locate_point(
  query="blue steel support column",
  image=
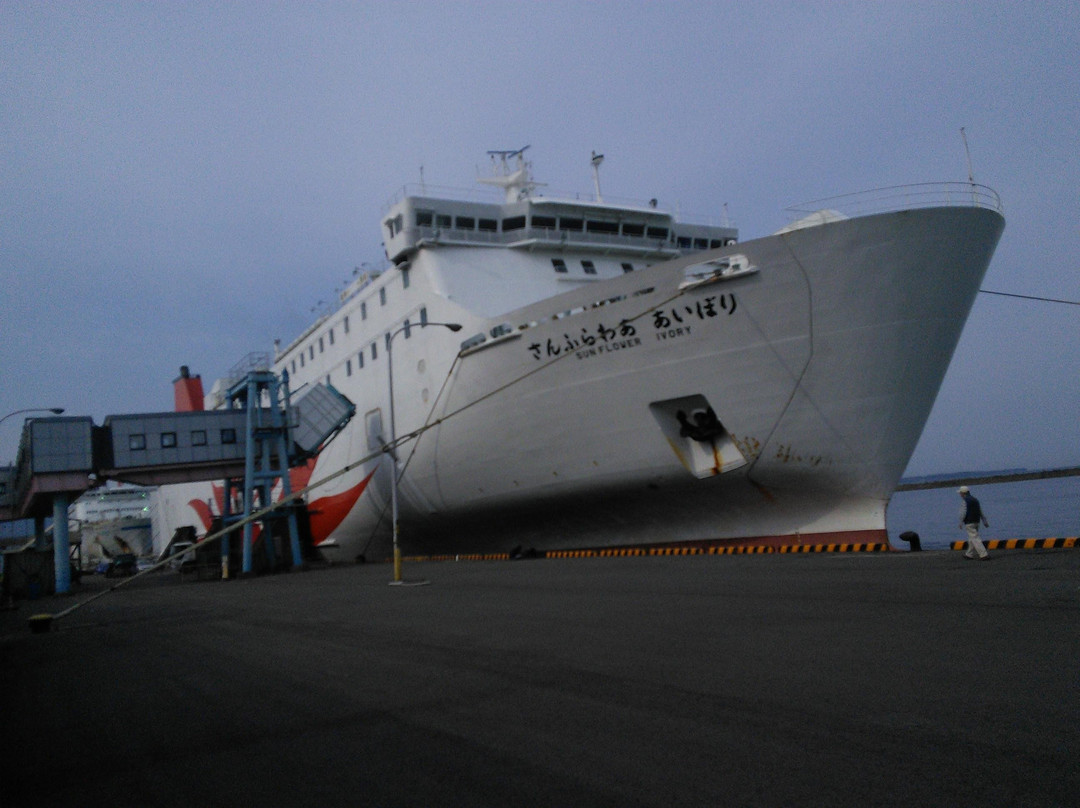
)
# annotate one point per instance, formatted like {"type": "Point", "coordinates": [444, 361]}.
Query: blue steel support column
{"type": "Point", "coordinates": [280, 418]}
{"type": "Point", "coordinates": [249, 468]}
{"type": "Point", "coordinates": [61, 547]}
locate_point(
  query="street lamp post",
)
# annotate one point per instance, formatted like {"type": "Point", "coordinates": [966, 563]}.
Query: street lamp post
{"type": "Point", "coordinates": [393, 436]}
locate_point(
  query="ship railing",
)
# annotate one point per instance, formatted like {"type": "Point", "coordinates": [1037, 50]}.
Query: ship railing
{"type": "Point", "coordinates": [544, 235]}
{"type": "Point", "coordinates": [903, 197]}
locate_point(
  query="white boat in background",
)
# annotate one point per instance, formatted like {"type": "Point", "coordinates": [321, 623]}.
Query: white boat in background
{"type": "Point", "coordinates": [624, 378]}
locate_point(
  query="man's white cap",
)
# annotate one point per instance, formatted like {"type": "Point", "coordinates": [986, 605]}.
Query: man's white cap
{"type": "Point", "coordinates": [963, 489]}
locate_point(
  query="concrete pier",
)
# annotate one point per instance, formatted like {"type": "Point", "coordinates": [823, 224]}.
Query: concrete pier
{"type": "Point", "coordinates": [829, 679]}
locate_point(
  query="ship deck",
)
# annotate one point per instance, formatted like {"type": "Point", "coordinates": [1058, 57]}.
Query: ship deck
{"type": "Point", "coordinates": [839, 679]}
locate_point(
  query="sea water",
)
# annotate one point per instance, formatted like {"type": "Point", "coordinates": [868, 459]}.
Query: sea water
{"type": "Point", "coordinates": [1034, 509]}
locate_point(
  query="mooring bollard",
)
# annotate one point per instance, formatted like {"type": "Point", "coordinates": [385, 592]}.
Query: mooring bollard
{"type": "Point", "coordinates": [911, 538]}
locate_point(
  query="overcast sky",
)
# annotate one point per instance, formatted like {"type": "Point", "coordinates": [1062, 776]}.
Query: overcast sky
{"type": "Point", "coordinates": [181, 182]}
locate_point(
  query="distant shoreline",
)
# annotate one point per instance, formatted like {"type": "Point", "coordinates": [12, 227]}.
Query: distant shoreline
{"type": "Point", "coordinates": [982, 478]}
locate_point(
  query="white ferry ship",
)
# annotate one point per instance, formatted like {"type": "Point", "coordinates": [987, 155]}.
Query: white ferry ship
{"type": "Point", "coordinates": [623, 378]}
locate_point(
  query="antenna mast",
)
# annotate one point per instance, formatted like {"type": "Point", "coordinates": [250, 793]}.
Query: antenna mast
{"type": "Point", "coordinates": [597, 159]}
{"type": "Point", "coordinates": [963, 137]}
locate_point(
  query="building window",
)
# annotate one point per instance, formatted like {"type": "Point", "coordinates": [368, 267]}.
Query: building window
{"type": "Point", "coordinates": [374, 351]}
{"type": "Point", "coordinates": [348, 367]}
{"type": "Point", "coordinates": [559, 264]}
{"type": "Point", "coordinates": [627, 267]}
{"type": "Point", "coordinates": [331, 335]}
{"type": "Point", "coordinates": [363, 310]}
{"type": "Point", "coordinates": [311, 352]}
{"type": "Point", "coordinates": [589, 267]}
{"type": "Point", "coordinates": [228, 436]}
{"type": "Point", "coordinates": [404, 279]}
{"type": "Point", "coordinates": [294, 367]}
{"type": "Point", "coordinates": [382, 296]}
{"type": "Point", "coordinates": [359, 360]}
{"type": "Point", "coordinates": [407, 328]}
{"type": "Point", "coordinates": [137, 442]}
{"type": "Point", "coordinates": [198, 437]}
{"type": "Point", "coordinates": [346, 323]}
{"type": "Point", "coordinates": [327, 379]}
{"type": "Point", "coordinates": [168, 440]}
{"type": "Point", "coordinates": [320, 345]}
{"type": "Point", "coordinates": [301, 360]}
{"type": "Point", "coordinates": [423, 315]}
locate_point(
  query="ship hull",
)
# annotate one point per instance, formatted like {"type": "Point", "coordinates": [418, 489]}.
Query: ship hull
{"type": "Point", "coordinates": [820, 366]}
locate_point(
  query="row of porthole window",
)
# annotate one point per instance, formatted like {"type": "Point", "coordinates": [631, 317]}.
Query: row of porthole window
{"type": "Point", "coordinates": [588, 267]}
{"type": "Point", "coordinates": [137, 440]}
{"type": "Point", "coordinates": [374, 347]}
{"type": "Point", "coordinates": [345, 324]}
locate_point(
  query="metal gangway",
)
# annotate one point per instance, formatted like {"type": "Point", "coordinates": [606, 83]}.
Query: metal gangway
{"type": "Point", "coordinates": [249, 444]}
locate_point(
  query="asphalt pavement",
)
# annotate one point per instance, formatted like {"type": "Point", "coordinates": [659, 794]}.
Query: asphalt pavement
{"type": "Point", "coordinates": [830, 679]}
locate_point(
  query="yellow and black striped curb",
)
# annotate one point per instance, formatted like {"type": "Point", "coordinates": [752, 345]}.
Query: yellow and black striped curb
{"type": "Point", "coordinates": [615, 552]}
{"type": "Point", "coordinates": [760, 549]}
{"type": "Point", "coordinates": [1021, 544]}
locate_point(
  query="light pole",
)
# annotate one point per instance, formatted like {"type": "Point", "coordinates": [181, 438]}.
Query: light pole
{"type": "Point", "coordinates": [393, 434]}
{"type": "Point", "coordinates": [53, 410]}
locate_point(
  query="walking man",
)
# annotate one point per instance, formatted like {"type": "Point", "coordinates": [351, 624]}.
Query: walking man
{"type": "Point", "coordinates": [970, 516]}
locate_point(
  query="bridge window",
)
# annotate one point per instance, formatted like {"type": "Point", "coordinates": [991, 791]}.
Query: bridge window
{"type": "Point", "coordinates": [570, 223]}
{"type": "Point", "coordinates": [228, 436]}
{"type": "Point", "coordinates": [442, 220]}
{"type": "Point", "coordinates": [701, 244]}
{"type": "Point", "coordinates": [168, 440]}
{"type": "Point", "coordinates": [544, 222]}
{"type": "Point", "coordinates": [198, 437]}
{"type": "Point", "coordinates": [684, 242]}
{"type": "Point", "coordinates": [487, 225]}
{"type": "Point", "coordinates": [513, 223]}
{"type": "Point", "coordinates": [657, 232]}
{"type": "Point", "coordinates": [635, 229]}
{"type": "Point", "coordinates": [424, 218]}
{"type": "Point", "coordinates": [137, 442]}
{"type": "Point", "coordinates": [601, 227]}
{"type": "Point", "coordinates": [465, 223]}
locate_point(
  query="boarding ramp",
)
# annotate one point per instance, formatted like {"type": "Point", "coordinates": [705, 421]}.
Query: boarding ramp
{"type": "Point", "coordinates": [61, 457]}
